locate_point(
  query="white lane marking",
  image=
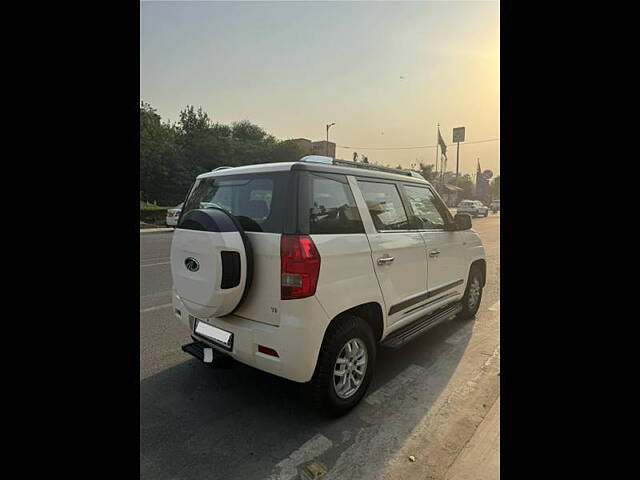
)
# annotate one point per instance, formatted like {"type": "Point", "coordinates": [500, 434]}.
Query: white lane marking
{"type": "Point", "coordinates": [157, 307]}
{"type": "Point", "coordinates": [308, 451]}
{"type": "Point", "coordinates": [153, 259]}
{"type": "Point", "coordinates": [407, 376]}
{"type": "Point", "coordinates": [495, 307]}
{"type": "Point", "coordinates": [154, 264]}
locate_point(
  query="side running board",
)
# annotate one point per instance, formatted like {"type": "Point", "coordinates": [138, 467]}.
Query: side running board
{"type": "Point", "coordinates": [418, 327]}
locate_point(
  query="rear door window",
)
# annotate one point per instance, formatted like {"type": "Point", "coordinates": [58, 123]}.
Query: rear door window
{"type": "Point", "coordinates": [333, 209]}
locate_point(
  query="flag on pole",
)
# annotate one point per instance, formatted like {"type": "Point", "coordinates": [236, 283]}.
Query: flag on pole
{"type": "Point", "coordinates": [443, 146]}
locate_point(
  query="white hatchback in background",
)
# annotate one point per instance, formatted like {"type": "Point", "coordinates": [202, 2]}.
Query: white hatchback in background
{"type": "Point", "coordinates": [303, 269]}
{"type": "Point", "coordinates": [475, 208]}
{"type": "Point", "coordinates": [172, 215]}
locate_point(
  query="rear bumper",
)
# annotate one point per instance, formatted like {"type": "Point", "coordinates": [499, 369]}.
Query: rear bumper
{"type": "Point", "coordinates": [297, 339]}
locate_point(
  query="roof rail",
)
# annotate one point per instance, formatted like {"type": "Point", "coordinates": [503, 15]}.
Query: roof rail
{"type": "Point", "coordinates": [366, 166]}
{"type": "Point", "coordinates": [220, 168]}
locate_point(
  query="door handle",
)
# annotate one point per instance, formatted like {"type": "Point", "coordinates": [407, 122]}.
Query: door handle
{"type": "Point", "coordinates": [434, 253]}
{"type": "Point", "coordinates": [385, 260]}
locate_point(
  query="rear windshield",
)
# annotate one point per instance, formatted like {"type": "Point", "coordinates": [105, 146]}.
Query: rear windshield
{"type": "Point", "coordinates": [255, 199]}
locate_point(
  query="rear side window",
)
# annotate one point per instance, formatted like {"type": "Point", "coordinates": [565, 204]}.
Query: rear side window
{"type": "Point", "coordinates": [255, 199]}
{"type": "Point", "coordinates": [333, 209]}
{"type": "Point", "coordinates": [385, 206]}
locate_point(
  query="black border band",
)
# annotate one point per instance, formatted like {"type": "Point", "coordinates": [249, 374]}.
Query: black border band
{"type": "Point", "coordinates": [424, 296]}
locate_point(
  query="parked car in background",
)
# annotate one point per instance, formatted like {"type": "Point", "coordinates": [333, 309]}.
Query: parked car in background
{"type": "Point", "coordinates": [475, 208]}
{"type": "Point", "coordinates": [311, 266]}
{"type": "Point", "coordinates": [495, 206]}
{"type": "Point", "coordinates": [172, 215]}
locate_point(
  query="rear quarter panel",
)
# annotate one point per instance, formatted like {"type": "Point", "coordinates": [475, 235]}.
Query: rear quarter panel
{"type": "Point", "coordinates": [262, 302]}
{"type": "Point", "coordinates": [347, 277]}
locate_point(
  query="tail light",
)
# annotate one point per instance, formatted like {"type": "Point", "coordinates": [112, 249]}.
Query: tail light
{"type": "Point", "coordinates": [299, 267]}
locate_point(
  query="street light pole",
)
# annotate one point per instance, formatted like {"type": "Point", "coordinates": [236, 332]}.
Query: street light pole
{"type": "Point", "coordinates": [329, 125]}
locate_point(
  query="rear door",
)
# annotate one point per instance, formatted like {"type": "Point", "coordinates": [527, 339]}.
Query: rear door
{"type": "Point", "coordinates": [398, 254]}
{"type": "Point", "coordinates": [446, 262]}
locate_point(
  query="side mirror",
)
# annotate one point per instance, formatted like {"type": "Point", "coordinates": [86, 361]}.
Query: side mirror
{"type": "Point", "coordinates": [463, 221]}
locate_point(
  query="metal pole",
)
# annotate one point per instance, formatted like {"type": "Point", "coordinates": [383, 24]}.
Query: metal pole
{"type": "Point", "coordinates": [328, 125]}
{"type": "Point", "coordinates": [457, 162]}
{"type": "Point", "coordinates": [436, 162]}
{"type": "Point", "coordinates": [327, 140]}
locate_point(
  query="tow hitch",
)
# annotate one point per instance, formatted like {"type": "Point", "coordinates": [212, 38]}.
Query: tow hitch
{"type": "Point", "coordinates": [206, 354]}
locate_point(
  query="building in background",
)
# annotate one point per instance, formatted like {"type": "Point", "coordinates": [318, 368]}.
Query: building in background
{"type": "Point", "coordinates": [450, 194]}
{"type": "Point", "coordinates": [323, 147]}
{"type": "Point", "coordinates": [316, 148]}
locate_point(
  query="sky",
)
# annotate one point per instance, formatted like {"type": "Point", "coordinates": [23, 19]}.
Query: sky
{"type": "Point", "coordinates": [293, 67]}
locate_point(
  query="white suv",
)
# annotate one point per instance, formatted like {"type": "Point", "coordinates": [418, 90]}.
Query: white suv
{"type": "Point", "coordinates": [303, 269]}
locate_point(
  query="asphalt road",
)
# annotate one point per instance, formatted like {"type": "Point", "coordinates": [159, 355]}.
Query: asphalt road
{"type": "Point", "coordinates": [198, 422]}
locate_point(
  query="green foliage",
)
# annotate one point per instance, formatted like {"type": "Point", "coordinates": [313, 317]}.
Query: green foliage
{"type": "Point", "coordinates": [153, 215]}
{"type": "Point", "coordinates": [171, 156]}
{"type": "Point", "coordinates": [465, 182]}
{"type": "Point", "coordinates": [495, 187]}
{"type": "Point", "coordinates": [427, 172]}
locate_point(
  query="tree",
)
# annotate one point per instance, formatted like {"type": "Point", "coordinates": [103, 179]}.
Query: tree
{"type": "Point", "coordinates": [171, 156]}
{"type": "Point", "coordinates": [247, 131]}
{"type": "Point", "coordinates": [157, 154]}
{"type": "Point", "coordinates": [427, 172]}
{"type": "Point", "coordinates": [465, 182]}
{"type": "Point", "coordinates": [495, 188]}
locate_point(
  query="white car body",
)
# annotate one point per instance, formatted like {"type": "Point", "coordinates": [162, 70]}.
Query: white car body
{"type": "Point", "coordinates": [350, 279]}
{"type": "Point", "coordinates": [475, 208]}
{"type": "Point", "coordinates": [172, 216]}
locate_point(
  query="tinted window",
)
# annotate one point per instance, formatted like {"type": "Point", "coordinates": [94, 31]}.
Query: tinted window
{"type": "Point", "coordinates": [251, 198]}
{"type": "Point", "coordinates": [422, 203]}
{"type": "Point", "coordinates": [385, 206]}
{"type": "Point", "coordinates": [333, 208]}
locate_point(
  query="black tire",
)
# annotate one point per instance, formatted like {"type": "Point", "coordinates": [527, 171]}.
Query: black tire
{"type": "Point", "coordinates": [469, 309]}
{"type": "Point", "coordinates": [321, 387]}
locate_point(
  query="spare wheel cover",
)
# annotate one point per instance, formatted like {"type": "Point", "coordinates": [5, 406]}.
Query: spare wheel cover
{"type": "Point", "coordinates": [211, 262]}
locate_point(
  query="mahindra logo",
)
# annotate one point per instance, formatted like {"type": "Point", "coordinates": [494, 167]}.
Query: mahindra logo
{"type": "Point", "coordinates": [192, 264]}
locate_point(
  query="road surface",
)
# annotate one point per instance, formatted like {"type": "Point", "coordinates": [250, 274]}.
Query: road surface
{"type": "Point", "coordinates": [426, 399]}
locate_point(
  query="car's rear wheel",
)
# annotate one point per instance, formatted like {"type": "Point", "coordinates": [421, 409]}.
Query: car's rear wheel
{"type": "Point", "coordinates": [345, 366]}
{"type": "Point", "coordinates": [472, 295]}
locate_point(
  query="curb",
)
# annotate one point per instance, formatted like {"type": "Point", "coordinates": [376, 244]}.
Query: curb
{"type": "Point", "coordinates": [156, 230]}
